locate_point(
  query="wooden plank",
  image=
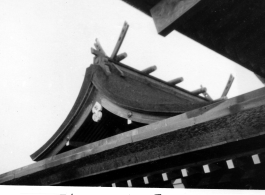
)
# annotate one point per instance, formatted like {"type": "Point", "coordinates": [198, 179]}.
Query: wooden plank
{"type": "Point", "coordinates": [166, 12]}
{"type": "Point", "coordinates": [228, 86]}
{"type": "Point", "coordinates": [120, 40]}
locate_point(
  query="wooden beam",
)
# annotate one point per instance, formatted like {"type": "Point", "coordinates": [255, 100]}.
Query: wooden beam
{"type": "Point", "coordinates": [228, 86]}
{"type": "Point", "coordinates": [206, 95]}
{"type": "Point", "coordinates": [256, 159]}
{"type": "Point", "coordinates": [75, 144]}
{"type": "Point", "coordinates": [120, 40]}
{"type": "Point", "coordinates": [128, 114]}
{"type": "Point", "coordinates": [149, 70]}
{"type": "Point", "coordinates": [166, 12]}
{"type": "Point", "coordinates": [199, 91]}
{"type": "Point", "coordinates": [153, 178]}
{"type": "Point", "coordinates": [175, 81]}
{"type": "Point", "coordinates": [121, 57]}
{"type": "Point", "coordinates": [173, 177]}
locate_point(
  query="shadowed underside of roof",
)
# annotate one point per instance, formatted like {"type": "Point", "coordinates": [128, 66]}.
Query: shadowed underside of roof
{"type": "Point", "coordinates": [234, 29]}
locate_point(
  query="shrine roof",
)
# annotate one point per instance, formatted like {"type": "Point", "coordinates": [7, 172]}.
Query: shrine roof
{"type": "Point", "coordinates": [135, 96]}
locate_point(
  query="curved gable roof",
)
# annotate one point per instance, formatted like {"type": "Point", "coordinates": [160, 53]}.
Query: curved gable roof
{"type": "Point", "coordinates": [149, 98]}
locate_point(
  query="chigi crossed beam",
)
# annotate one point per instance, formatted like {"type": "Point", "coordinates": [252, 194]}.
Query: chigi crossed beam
{"type": "Point", "coordinates": [101, 57]}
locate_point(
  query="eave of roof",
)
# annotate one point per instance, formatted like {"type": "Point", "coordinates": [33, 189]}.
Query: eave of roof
{"type": "Point", "coordinates": [240, 118]}
{"type": "Point", "coordinates": [231, 28]}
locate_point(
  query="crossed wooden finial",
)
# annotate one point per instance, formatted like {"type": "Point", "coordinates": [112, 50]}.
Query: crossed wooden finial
{"type": "Point", "coordinates": [101, 57]}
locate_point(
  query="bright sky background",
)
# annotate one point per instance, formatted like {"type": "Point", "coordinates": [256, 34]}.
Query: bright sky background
{"type": "Point", "coordinates": [45, 49]}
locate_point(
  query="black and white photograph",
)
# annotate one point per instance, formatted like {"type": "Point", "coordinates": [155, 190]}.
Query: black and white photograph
{"type": "Point", "coordinates": [132, 97]}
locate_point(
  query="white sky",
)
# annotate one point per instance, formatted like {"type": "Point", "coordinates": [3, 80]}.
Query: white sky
{"type": "Point", "coordinates": [45, 49]}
